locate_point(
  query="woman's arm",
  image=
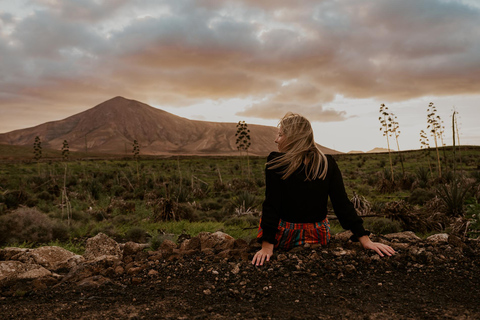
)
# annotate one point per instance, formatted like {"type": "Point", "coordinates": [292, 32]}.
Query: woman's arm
{"type": "Point", "coordinates": [378, 247]}
{"type": "Point", "coordinates": [264, 254]}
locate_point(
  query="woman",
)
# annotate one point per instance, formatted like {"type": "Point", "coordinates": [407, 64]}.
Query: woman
{"type": "Point", "coordinates": [299, 180]}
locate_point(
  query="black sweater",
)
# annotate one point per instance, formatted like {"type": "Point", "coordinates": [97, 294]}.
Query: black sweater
{"type": "Point", "coordinates": [297, 200]}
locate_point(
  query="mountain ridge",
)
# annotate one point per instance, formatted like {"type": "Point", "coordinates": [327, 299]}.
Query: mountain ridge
{"type": "Point", "coordinates": [111, 126]}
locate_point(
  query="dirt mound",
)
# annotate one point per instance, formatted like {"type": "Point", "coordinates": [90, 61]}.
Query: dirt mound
{"type": "Point", "coordinates": [426, 279]}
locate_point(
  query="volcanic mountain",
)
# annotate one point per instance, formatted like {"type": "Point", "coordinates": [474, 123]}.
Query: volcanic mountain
{"type": "Point", "coordinates": [112, 126]}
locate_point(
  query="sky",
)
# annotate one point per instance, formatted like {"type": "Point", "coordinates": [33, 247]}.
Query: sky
{"type": "Point", "coordinates": [335, 62]}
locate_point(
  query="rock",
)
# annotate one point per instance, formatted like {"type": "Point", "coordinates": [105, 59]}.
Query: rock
{"type": "Point", "coordinates": [152, 272]}
{"type": "Point", "coordinates": [406, 236]}
{"type": "Point", "coordinates": [51, 257]}
{"type": "Point", "coordinates": [8, 253]}
{"type": "Point", "coordinates": [343, 236]}
{"type": "Point", "coordinates": [399, 246]}
{"type": "Point", "coordinates": [168, 246]}
{"type": "Point", "coordinates": [16, 270]}
{"type": "Point", "coordinates": [88, 269]}
{"type": "Point", "coordinates": [350, 268]}
{"type": "Point", "coordinates": [102, 245]}
{"type": "Point", "coordinates": [456, 242]}
{"type": "Point", "coordinates": [218, 241]}
{"type": "Point", "coordinates": [119, 270]}
{"type": "Point", "coordinates": [281, 257]}
{"type": "Point", "coordinates": [132, 248]}
{"type": "Point", "coordinates": [190, 244]}
{"type": "Point", "coordinates": [240, 244]}
{"type": "Point", "coordinates": [438, 238]}
{"type": "Point", "coordinates": [94, 282]}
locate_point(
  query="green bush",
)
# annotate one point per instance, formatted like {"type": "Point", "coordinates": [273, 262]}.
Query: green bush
{"type": "Point", "coordinates": [29, 225]}
{"type": "Point", "coordinates": [382, 225]}
{"type": "Point", "coordinates": [136, 234]}
{"type": "Point", "coordinates": [453, 196]}
{"type": "Point", "coordinates": [420, 196]}
{"type": "Point", "coordinates": [13, 199]}
{"type": "Point", "coordinates": [245, 221]}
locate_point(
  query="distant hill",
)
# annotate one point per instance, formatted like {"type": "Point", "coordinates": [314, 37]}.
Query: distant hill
{"type": "Point", "coordinates": [111, 127]}
{"type": "Point", "coordinates": [379, 150]}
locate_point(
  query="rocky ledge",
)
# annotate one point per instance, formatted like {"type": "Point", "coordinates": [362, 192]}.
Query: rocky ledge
{"type": "Point", "coordinates": [213, 266]}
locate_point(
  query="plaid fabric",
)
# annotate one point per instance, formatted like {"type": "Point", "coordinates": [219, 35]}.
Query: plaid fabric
{"type": "Point", "coordinates": [291, 235]}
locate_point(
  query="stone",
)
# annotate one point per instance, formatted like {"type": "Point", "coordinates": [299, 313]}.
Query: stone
{"type": "Point", "coordinates": [350, 268]}
{"type": "Point", "coordinates": [168, 246]}
{"type": "Point", "coordinates": [217, 240]}
{"type": "Point", "coordinates": [456, 242]}
{"type": "Point", "coordinates": [102, 245]}
{"type": "Point", "coordinates": [399, 246]}
{"type": "Point", "coordinates": [52, 258]}
{"type": "Point", "coordinates": [9, 252]}
{"type": "Point", "coordinates": [93, 282]}
{"type": "Point", "coordinates": [190, 244]}
{"type": "Point", "coordinates": [438, 238]}
{"type": "Point", "coordinates": [406, 236]}
{"type": "Point", "coordinates": [16, 270]}
{"type": "Point", "coordinates": [152, 272]}
{"type": "Point", "coordinates": [132, 248]}
{"type": "Point", "coordinates": [343, 236]}
{"type": "Point", "coordinates": [240, 244]}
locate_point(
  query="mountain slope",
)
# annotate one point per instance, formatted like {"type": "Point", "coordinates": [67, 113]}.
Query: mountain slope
{"type": "Point", "coordinates": [111, 127]}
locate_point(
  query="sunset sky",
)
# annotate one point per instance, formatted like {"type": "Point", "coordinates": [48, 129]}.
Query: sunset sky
{"type": "Point", "coordinates": [333, 61]}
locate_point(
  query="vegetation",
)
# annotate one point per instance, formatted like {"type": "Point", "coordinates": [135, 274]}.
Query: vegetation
{"type": "Point", "coordinates": [243, 140]}
{"type": "Point", "coordinates": [68, 201]}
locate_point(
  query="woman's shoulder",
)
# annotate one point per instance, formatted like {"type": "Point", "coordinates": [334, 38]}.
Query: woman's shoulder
{"type": "Point", "coordinates": [274, 155]}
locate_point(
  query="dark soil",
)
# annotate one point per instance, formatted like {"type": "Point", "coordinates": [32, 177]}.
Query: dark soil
{"type": "Point", "coordinates": [339, 282]}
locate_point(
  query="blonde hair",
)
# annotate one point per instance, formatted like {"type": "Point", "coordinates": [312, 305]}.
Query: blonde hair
{"type": "Point", "coordinates": [300, 148]}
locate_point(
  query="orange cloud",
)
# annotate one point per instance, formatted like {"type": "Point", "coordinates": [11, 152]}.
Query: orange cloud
{"type": "Point", "coordinates": [283, 55]}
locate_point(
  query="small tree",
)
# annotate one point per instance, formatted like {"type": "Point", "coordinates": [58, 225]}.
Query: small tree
{"type": "Point", "coordinates": [386, 128]}
{"type": "Point", "coordinates": [434, 125]}
{"type": "Point", "coordinates": [243, 140]}
{"type": "Point", "coordinates": [65, 150]}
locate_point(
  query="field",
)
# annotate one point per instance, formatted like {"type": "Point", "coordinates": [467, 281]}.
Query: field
{"type": "Point", "coordinates": [149, 199]}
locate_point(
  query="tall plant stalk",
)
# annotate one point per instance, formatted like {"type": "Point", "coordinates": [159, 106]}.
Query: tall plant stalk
{"type": "Point", "coordinates": [434, 126]}
{"type": "Point", "coordinates": [386, 128]}
{"type": "Point", "coordinates": [243, 141]}
{"type": "Point", "coordinates": [424, 144]}
{"type": "Point", "coordinates": [396, 133]}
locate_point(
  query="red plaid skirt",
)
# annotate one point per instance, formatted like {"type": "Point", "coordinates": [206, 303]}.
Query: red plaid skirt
{"type": "Point", "coordinates": [291, 234]}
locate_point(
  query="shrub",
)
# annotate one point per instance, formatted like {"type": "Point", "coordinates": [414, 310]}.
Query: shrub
{"type": "Point", "coordinates": [243, 221]}
{"type": "Point", "coordinates": [382, 225]}
{"type": "Point", "coordinates": [244, 202]}
{"type": "Point", "coordinates": [28, 225]}
{"type": "Point", "coordinates": [13, 199]}
{"type": "Point", "coordinates": [423, 175]}
{"type": "Point", "coordinates": [44, 195]}
{"type": "Point", "coordinates": [420, 196]}
{"type": "Point", "coordinates": [453, 196]}
{"type": "Point", "coordinates": [136, 234]}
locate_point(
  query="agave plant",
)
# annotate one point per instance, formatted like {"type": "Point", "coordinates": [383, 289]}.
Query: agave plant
{"type": "Point", "coordinates": [453, 196]}
{"type": "Point", "coordinates": [244, 203]}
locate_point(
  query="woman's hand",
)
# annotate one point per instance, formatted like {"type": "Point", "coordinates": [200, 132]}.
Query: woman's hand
{"type": "Point", "coordinates": [378, 247]}
{"type": "Point", "coordinates": [264, 254]}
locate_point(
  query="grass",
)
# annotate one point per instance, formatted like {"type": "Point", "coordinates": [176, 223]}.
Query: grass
{"type": "Point", "coordinates": [106, 194]}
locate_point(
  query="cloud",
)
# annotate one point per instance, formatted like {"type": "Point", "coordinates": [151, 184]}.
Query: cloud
{"type": "Point", "coordinates": [178, 53]}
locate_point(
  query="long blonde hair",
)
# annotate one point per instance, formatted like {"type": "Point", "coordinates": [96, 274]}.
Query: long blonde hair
{"type": "Point", "coordinates": [300, 148]}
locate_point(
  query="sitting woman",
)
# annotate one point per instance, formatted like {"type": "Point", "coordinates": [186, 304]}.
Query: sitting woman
{"type": "Point", "coordinates": [299, 180]}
